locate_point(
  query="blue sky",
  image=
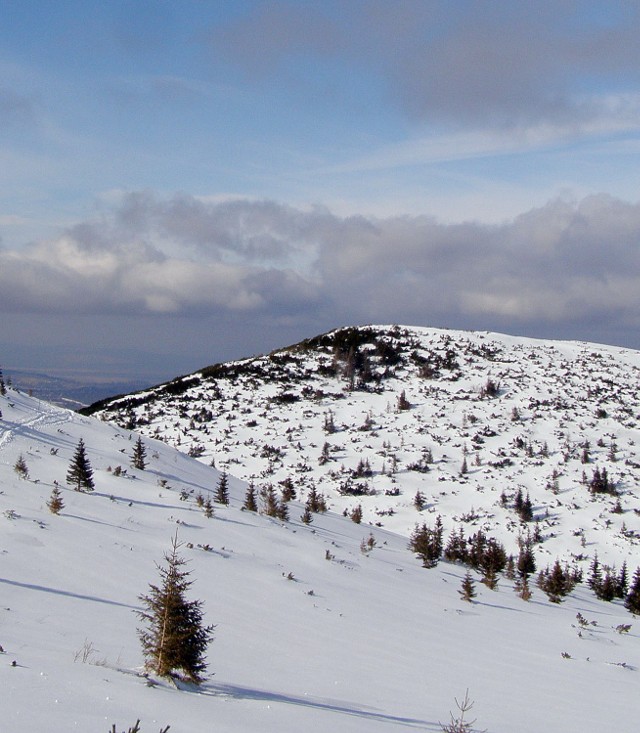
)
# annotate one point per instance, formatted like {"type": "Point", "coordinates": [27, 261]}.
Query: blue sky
{"type": "Point", "coordinates": [186, 182]}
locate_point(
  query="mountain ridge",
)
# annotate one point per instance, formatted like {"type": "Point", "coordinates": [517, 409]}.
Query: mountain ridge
{"type": "Point", "coordinates": [372, 415]}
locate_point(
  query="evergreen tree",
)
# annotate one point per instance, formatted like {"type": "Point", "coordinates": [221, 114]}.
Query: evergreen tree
{"type": "Point", "coordinates": [556, 583]}
{"type": "Point", "coordinates": [80, 473]}
{"type": "Point", "coordinates": [632, 600]}
{"type": "Point", "coordinates": [20, 467]}
{"type": "Point", "coordinates": [526, 561]}
{"type": "Point", "coordinates": [175, 640]}
{"type": "Point", "coordinates": [250, 501]}
{"type": "Point", "coordinates": [282, 511]}
{"type": "Point", "coordinates": [315, 501]}
{"type": "Point", "coordinates": [468, 591]}
{"type": "Point", "coordinates": [55, 502]}
{"type": "Point", "coordinates": [307, 516]}
{"type": "Point", "coordinates": [3, 389]}
{"type": "Point", "coordinates": [207, 507]}
{"type": "Point", "coordinates": [522, 588]}
{"type": "Point", "coordinates": [288, 490]}
{"type": "Point", "coordinates": [427, 543]}
{"type": "Point", "coordinates": [606, 589]}
{"type": "Point", "coordinates": [595, 573]}
{"type": "Point", "coordinates": [456, 549]}
{"type": "Point", "coordinates": [419, 501]}
{"type": "Point", "coordinates": [222, 489]}
{"type": "Point", "coordinates": [622, 585]}
{"type": "Point", "coordinates": [270, 499]}
{"type": "Point", "coordinates": [139, 455]}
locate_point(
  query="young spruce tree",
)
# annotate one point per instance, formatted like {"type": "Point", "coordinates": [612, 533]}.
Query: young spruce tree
{"type": "Point", "coordinates": [175, 640]}
{"type": "Point", "coordinates": [138, 458]}
{"type": "Point", "coordinates": [80, 473]}
{"type": "Point", "coordinates": [222, 489]}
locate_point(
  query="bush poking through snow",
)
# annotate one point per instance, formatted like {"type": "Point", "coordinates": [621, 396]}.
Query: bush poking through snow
{"type": "Point", "coordinates": [136, 728]}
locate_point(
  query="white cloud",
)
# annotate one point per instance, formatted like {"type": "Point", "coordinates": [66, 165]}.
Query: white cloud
{"type": "Point", "coordinates": [560, 265]}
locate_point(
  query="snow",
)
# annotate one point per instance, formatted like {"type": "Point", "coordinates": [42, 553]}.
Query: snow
{"type": "Point", "coordinates": [362, 641]}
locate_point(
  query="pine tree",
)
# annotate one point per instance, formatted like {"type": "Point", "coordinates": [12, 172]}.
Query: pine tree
{"type": "Point", "coordinates": [80, 473]}
{"type": "Point", "coordinates": [595, 573]}
{"type": "Point", "coordinates": [55, 502]}
{"type": "Point", "coordinates": [20, 467]}
{"type": "Point", "coordinates": [207, 507]}
{"type": "Point", "coordinates": [526, 561]}
{"type": "Point", "coordinates": [556, 583]}
{"type": "Point", "coordinates": [282, 511]}
{"type": "Point", "coordinates": [139, 455]}
{"type": "Point", "coordinates": [522, 588]}
{"type": "Point", "coordinates": [288, 490]}
{"type": "Point", "coordinates": [222, 490]}
{"type": "Point", "coordinates": [632, 600]}
{"type": "Point", "coordinates": [427, 544]}
{"type": "Point", "coordinates": [250, 501]}
{"type": "Point", "coordinates": [3, 389]}
{"type": "Point", "coordinates": [307, 516]}
{"type": "Point", "coordinates": [175, 640]}
{"type": "Point", "coordinates": [270, 500]}
{"type": "Point", "coordinates": [316, 501]}
{"type": "Point", "coordinates": [468, 591]}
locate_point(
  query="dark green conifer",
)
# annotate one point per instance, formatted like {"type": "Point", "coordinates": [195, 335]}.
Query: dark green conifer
{"type": "Point", "coordinates": [250, 501]}
{"type": "Point", "coordinates": [222, 489]}
{"type": "Point", "coordinates": [138, 458]}
{"type": "Point", "coordinates": [175, 640]}
{"type": "Point", "coordinates": [80, 473]}
{"type": "Point", "coordinates": [632, 600]}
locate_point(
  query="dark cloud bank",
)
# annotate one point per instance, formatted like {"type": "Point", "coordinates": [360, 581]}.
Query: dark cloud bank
{"type": "Point", "coordinates": [202, 280]}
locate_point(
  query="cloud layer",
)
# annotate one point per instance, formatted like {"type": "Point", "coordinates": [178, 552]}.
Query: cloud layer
{"type": "Point", "coordinates": [567, 265]}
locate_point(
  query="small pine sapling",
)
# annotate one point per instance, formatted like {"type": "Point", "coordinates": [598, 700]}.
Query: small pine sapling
{"type": "Point", "coordinates": [467, 591]}
{"type": "Point", "coordinates": [55, 502]}
{"type": "Point", "coordinates": [458, 723]}
{"type": "Point", "coordinates": [20, 467]}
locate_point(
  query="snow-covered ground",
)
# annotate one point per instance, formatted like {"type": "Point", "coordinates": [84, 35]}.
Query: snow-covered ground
{"type": "Point", "coordinates": [311, 632]}
{"type": "Point", "coordinates": [561, 411]}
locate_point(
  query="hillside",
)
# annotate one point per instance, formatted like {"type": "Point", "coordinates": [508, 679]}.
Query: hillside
{"type": "Point", "coordinates": [327, 626]}
{"type": "Point", "coordinates": [473, 421]}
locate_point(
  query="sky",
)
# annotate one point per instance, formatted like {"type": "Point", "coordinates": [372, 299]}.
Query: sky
{"type": "Point", "coordinates": [187, 182]}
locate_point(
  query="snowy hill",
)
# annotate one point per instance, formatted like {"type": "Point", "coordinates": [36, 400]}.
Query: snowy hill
{"type": "Point", "coordinates": [472, 421]}
{"type": "Point", "coordinates": [327, 626]}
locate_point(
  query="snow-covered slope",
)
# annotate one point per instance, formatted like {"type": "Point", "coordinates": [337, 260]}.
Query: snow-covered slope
{"type": "Point", "coordinates": [485, 417]}
{"type": "Point", "coordinates": [311, 632]}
